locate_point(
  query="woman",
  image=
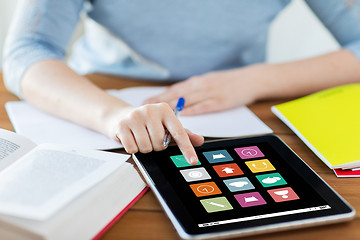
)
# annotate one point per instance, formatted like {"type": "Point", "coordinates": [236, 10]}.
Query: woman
{"type": "Point", "coordinates": [213, 50]}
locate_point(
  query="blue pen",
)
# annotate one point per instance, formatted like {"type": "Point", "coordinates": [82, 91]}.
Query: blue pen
{"type": "Point", "coordinates": [179, 106]}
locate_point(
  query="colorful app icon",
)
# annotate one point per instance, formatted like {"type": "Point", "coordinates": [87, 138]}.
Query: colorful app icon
{"type": "Point", "coordinates": [270, 180]}
{"type": "Point", "coordinates": [238, 184]}
{"type": "Point", "coordinates": [228, 170]}
{"type": "Point", "coordinates": [180, 161]}
{"type": "Point", "coordinates": [216, 204]}
{"type": "Point", "coordinates": [283, 194]}
{"type": "Point", "coordinates": [218, 156]}
{"type": "Point", "coordinates": [250, 199]}
{"type": "Point", "coordinates": [195, 174]}
{"type": "Point", "coordinates": [262, 165]}
{"type": "Point", "coordinates": [249, 152]}
{"type": "Point", "coordinates": [205, 189]}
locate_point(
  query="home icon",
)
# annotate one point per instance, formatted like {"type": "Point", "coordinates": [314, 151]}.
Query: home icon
{"type": "Point", "coordinates": [228, 170]}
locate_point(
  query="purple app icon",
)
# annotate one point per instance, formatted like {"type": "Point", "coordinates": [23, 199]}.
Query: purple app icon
{"type": "Point", "coordinates": [249, 152]}
{"type": "Point", "coordinates": [250, 199]}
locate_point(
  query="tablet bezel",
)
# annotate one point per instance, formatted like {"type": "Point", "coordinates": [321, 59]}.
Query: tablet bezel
{"type": "Point", "coordinates": [183, 222]}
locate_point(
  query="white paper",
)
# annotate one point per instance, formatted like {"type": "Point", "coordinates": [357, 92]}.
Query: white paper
{"type": "Point", "coordinates": [42, 127]}
{"type": "Point", "coordinates": [45, 128]}
{"type": "Point", "coordinates": [50, 176]}
{"type": "Point", "coordinates": [238, 122]}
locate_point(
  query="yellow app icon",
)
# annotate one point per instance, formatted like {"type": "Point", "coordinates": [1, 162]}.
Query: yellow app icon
{"type": "Point", "coordinates": [262, 165]}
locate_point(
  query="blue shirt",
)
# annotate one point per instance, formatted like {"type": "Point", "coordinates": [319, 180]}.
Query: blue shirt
{"type": "Point", "coordinates": [157, 39]}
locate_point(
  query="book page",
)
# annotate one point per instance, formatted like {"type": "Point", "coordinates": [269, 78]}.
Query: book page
{"type": "Point", "coordinates": [12, 147]}
{"type": "Point", "coordinates": [50, 176]}
{"type": "Point", "coordinates": [237, 122]}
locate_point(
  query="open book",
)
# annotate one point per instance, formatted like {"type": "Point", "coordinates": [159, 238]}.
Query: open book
{"type": "Point", "coordinates": [53, 191]}
{"type": "Point", "coordinates": [42, 127]}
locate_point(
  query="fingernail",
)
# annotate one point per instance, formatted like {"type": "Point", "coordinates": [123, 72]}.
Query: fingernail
{"type": "Point", "coordinates": [193, 160]}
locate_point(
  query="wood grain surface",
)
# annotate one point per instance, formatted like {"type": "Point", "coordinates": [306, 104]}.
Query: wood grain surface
{"type": "Point", "coordinates": [147, 220]}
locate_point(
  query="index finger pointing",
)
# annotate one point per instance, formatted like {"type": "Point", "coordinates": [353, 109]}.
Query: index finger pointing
{"type": "Point", "coordinates": [182, 139]}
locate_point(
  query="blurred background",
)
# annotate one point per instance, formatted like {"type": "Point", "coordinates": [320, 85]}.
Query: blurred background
{"type": "Point", "coordinates": [7, 8]}
{"type": "Point", "coordinates": [295, 34]}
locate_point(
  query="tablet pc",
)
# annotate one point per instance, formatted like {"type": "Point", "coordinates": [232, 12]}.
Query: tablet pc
{"type": "Point", "coordinates": [240, 187]}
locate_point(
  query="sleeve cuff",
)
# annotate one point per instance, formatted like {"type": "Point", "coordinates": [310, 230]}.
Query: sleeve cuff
{"type": "Point", "coordinates": [354, 48]}
{"type": "Point", "coordinates": [21, 58]}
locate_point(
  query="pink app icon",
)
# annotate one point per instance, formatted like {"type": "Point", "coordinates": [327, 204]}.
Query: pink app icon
{"type": "Point", "coordinates": [250, 199]}
{"type": "Point", "coordinates": [249, 152]}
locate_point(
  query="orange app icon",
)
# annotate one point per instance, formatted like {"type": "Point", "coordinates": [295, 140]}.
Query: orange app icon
{"type": "Point", "coordinates": [205, 189]}
{"type": "Point", "coordinates": [262, 165]}
{"type": "Point", "coordinates": [227, 170]}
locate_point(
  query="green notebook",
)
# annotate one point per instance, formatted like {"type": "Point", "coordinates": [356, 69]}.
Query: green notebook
{"type": "Point", "coordinates": [328, 122]}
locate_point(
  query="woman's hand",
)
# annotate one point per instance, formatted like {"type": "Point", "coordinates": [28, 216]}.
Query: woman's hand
{"type": "Point", "coordinates": [216, 91]}
{"type": "Point", "coordinates": [142, 129]}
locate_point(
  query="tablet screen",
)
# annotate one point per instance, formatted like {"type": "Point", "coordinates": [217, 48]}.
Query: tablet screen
{"type": "Point", "coordinates": [239, 184]}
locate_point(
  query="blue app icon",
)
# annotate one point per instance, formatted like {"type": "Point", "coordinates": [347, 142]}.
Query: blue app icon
{"type": "Point", "coordinates": [239, 184]}
{"type": "Point", "coordinates": [218, 156]}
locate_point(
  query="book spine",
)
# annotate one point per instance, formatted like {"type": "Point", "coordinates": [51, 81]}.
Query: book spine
{"type": "Point", "coordinates": [117, 217]}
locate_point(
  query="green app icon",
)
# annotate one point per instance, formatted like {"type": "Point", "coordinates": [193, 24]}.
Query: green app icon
{"type": "Point", "coordinates": [270, 180]}
{"type": "Point", "coordinates": [180, 161]}
{"type": "Point", "coordinates": [216, 204]}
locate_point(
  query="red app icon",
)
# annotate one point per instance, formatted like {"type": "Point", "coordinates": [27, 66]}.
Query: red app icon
{"type": "Point", "coordinates": [228, 170]}
{"type": "Point", "coordinates": [283, 194]}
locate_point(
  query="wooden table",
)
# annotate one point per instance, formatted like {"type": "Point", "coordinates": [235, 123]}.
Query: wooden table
{"type": "Point", "coordinates": [147, 220]}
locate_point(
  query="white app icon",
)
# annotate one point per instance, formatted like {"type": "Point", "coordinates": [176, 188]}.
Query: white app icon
{"type": "Point", "coordinates": [205, 189]}
{"type": "Point", "coordinates": [228, 170]}
{"type": "Point", "coordinates": [195, 174]}
{"type": "Point", "coordinates": [270, 180]}
{"type": "Point", "coordinates": [262, 165]}
{"type": "Point", "coordinates": [249, 152]}
{"type": "Point", "coordinates": [239, 184]}
{"type": "Point", "coordinates": [282, 193]}
{"type": "Point", "coordinates": [251, 199]}
{"type": "Point", "coordinates": [218, 156]}
{"type": "Point", "coordinates": [217, 204]}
